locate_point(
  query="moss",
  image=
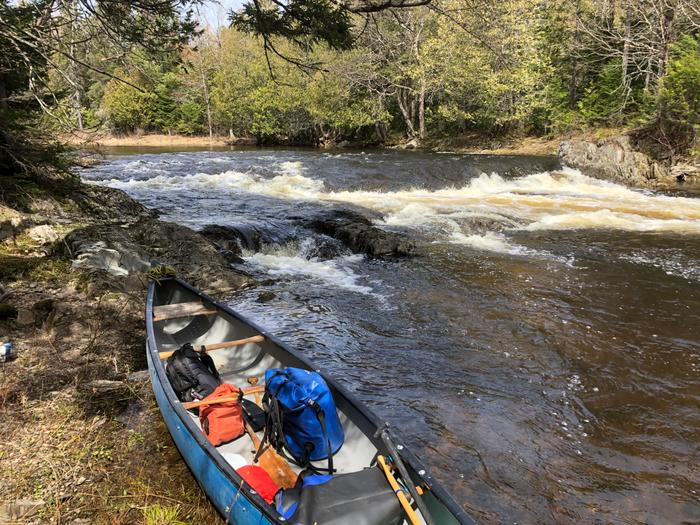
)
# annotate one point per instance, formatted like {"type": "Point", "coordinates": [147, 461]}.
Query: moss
{"type": "Point", "coordinates": [14, 267]}
{"type": "Point", "coordinates": [51, 269]}
{"type": "Point", "coordinates": [20, 244]}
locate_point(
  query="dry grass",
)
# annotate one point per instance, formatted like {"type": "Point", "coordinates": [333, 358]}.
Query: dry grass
{"type": "Point", "coordinates": [150, 140]}
{"type": "Point", "coordinates": [102, 459]}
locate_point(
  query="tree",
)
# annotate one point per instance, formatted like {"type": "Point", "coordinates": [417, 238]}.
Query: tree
{"type": "Point", "coordinates": [39, 38]}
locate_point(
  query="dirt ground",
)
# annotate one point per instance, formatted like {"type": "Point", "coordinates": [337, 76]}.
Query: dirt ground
{"type": "Point", "coordinates": [154, 140]}
{"type": "Point", "coordinates": [82, 439]}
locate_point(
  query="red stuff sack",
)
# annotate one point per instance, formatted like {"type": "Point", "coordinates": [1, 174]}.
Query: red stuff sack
{"type": "Point", "coordinates": [222, 422]}
{"type": "Point", "coordinates": [260, 480]}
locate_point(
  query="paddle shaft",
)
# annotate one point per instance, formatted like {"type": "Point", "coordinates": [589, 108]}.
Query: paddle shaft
{"type": "Point", "coordinates": [223, 399]}
{"type": "Point", "coordinates": [407, 479]}
{"type": "Point", "coordinates": [398, 491]}
{"type": "Point", "coordinates": [272, 463]}
{"type": "Point", "coordinates": [218, 346]}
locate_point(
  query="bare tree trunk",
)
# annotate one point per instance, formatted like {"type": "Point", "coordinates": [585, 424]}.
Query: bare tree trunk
{"type": "Point", "coordinates": [77, 97]}
{"type": "Point", "coordinates": [405, 113]}
{"type": "Point", "coordinates": [421, 110]}
{"type": "Point", "coordinates": [573, 80]}
{"type": "Point", "coordinates": [380, 126]}
{"type": "Point", "coordinates": [667, 37]}
{"type": "Point", "coordinates": [205, 88]}
{"type": "Point", "coordinates": [626, 45]}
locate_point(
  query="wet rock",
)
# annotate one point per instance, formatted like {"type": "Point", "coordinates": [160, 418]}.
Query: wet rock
{"type": "Point", "coordinates": [43, 234]}
{"type": "Point", "coordinates": [192, 255]}
{"type": "Point", "coordinates": [360, 235]}
{"type": "Point", "coordinates": [119, 257]}
{"type": "Point", "coordinates": [109, 203]}
{"type": "Point", "coordinates": [230, 240]}
{"type": "Point", "coordinates": [613, 159]}
{"type": "Point", "coordinates": [266, 296]}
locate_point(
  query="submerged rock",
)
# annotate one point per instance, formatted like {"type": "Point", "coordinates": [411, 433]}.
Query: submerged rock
{"type": "Point", "coordinates": [266, 296]}
{"type": "Point", "coordinates": [613, 159]}
{"type": "Point", "coordinates": [360, 235]}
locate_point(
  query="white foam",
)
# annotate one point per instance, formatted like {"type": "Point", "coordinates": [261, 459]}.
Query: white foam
{"type": "Point", "coordinates": [564, 200]}
{"type": "Point", "coordinates": [286, 260]}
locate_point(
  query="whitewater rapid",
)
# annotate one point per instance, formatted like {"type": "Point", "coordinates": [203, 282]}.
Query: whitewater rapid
{"type": "Point", "coordinates": [552, 200]}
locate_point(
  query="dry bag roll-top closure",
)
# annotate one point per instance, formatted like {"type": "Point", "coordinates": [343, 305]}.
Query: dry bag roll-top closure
{"type": "Point", "coordinates": [194, 377]}
{"type": "Point", "coordinates": [192, 374]}
{"type": "Point", "coordinates": [302, 420]}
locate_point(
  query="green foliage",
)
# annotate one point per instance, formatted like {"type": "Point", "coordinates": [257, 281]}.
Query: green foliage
{"type": "Point", "coordinates": [496, 68]}
{"type": "Point", "coordinates": [680, 89]}
{"type": "Point", "coordinates": [305, 22]}
{"type": "Point", "coordinates": [128, 107]}
{"type": "Point", "coordinates": [607, 97]}
{"type": "Point", "coordinates": [190, 118]}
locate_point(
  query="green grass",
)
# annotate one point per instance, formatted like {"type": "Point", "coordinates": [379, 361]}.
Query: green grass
{"type": "Point", "coordinates": [161, 515]}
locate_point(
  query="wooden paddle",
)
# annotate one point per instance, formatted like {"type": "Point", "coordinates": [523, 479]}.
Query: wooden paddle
{"type": "Point", "coordinates": [272, 463]}
{"type": "Point", "coordinates": [223, 399]}
{"type": "Point", "coordinates": [218, 346]}
{"type": "Point", "coordinates": [413, 518]}
{"type": "Point", "coordinates": [252, 381]}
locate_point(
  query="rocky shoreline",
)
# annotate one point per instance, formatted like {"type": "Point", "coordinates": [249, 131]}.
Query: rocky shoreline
{"type": "Point", "coordinates": [619, 160]}
{"type": "Point", "coordinates": [83, 441]}
{"type": "Point", "coordinates": [74, 259]}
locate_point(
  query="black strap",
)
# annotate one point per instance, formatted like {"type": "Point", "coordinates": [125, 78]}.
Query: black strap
{"type": "Point", "coordinates": [322, 419]}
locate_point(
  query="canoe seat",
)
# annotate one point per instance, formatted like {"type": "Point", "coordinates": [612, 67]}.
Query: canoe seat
{"type": "Point", "coordinates": [179, 310]}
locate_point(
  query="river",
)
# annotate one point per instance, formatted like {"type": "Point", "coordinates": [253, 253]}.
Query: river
{"type": "Point", "coordinates": [542, 352]}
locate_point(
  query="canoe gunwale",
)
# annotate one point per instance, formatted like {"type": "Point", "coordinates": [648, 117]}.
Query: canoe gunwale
{"type": "Point", "coordinates": [268, 511]}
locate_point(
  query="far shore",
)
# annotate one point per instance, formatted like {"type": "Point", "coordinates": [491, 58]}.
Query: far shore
{"type": "Point", "coordinates": [473, 144]}
{"type": "Point", "coordinates": [155, 140]}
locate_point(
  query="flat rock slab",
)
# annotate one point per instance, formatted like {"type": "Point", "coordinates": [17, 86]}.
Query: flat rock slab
{"type": "Point", "coordinates": [20, 509]}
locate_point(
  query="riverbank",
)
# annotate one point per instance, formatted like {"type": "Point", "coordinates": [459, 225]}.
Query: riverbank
{"type": "Point", "coordinates": [154, 140]}
{"type": "Point", "coordinates": [83, 441]}
{"type": "Point", "coordinates": [480, 145]}
{"type": "Point", "coordinates": [467, 144]}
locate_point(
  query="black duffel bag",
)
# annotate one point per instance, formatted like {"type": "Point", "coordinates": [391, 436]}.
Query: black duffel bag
{"type": "Point", "coordinates": [360, 498]}
{"type": "Point", "coordinates": [192, 374]}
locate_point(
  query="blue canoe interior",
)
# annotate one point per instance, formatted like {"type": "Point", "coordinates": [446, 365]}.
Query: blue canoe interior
{"type": "Point", "coordinates": [177, 313]}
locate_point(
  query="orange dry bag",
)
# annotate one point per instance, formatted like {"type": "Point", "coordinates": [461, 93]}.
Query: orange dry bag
{"type": "Point", "coordinates": [222, 422]}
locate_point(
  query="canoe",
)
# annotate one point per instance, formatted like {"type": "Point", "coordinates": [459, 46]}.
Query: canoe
{"type": "Point", "coordinates": [177, 313]}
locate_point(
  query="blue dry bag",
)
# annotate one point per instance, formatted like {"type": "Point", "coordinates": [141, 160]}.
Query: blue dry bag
{"type": "Point", "coordinates": [301, 415]}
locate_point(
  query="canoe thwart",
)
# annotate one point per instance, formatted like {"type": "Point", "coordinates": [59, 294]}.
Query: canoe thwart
{"type": "Point", "coordinates": [179, 310]}
{"type": "Point", "coordinates": [218, 346]}
{"type": "Point", "coordinates": [223, 399]}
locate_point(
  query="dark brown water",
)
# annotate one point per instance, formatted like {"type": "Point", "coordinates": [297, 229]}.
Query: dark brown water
{"type": "Point", "coordinates": [542, 354]}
